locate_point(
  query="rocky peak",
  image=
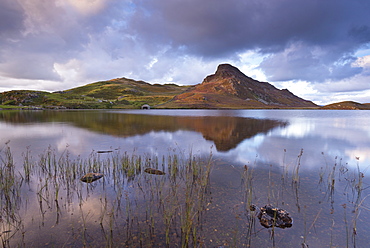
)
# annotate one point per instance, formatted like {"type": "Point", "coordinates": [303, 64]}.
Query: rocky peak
{"type": "Point", "coordinates": [229, 88]}
{"type": "Point", "coordinates": [225, 71]}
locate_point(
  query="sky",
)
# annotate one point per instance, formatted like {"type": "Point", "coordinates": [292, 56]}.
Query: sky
{"type": "Point", "coordinates": [317, 49]}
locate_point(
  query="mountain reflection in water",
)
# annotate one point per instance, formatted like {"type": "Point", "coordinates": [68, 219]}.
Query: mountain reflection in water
{"type": "Point", "coordinates": [313, 164]}
{"type": "Point", "coordinates": [226, 133]}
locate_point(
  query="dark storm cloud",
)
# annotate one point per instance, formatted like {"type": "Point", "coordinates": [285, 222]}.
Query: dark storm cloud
{"type": "Point", "coordinates": [10, 18]}
{"type": "Point", "coordinates": [221, 28]}
{"type": "Point", "coordinates": [217, 27]}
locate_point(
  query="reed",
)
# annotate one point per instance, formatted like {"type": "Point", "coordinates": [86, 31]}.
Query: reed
{"type": "Point", "coordinates": [295, 178]}
{"type": "Point", "coordinates": [10, 186]}
{"type": "Point", "coordinates": [138, 209]}
{"type": "Point", "coordinates": [27, 164]}
{"type": "Point", "coordinates": [247, 179]}
{"type": "Point", "coordinates": [358, 188]}
{"type": "Point", "coordinates": [346, 224]}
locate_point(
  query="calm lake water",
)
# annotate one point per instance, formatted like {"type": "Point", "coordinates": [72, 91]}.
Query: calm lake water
{"type": "Point", "coordinates": [311, 163]}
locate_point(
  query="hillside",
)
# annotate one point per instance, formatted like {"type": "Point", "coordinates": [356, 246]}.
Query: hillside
{"type": "Point", "coordinates": [116, 93]}
{"type": "Point", "coordinates": [230, 88]}
{"type": "Point", "coordinates": [349, 105]}
{"type": "Point", "coordinates": [128, 93]}
{"type": "Point", "coordinates": [227, 88]}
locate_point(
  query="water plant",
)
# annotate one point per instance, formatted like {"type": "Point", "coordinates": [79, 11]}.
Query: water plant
{"type": "Point", "coordinates": [177, 208]}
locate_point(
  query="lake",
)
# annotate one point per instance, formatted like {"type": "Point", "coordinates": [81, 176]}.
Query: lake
{"type": "Point", "coordinates": [310, 163]}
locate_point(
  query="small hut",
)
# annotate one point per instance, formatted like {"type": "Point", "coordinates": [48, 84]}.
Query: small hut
{"type": "Point", "coordinates": [145, 106]}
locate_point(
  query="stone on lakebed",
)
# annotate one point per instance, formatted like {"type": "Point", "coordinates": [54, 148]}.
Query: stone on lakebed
{"type": "Point", "coordinates": [91, 177]}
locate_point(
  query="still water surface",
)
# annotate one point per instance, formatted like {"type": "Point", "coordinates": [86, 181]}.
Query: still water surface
{"type": "Point", "coordinates": [312, 163]}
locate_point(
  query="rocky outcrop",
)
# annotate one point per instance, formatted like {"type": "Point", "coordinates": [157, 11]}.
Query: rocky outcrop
{"type": "Point", "coordinates": [230, 88]}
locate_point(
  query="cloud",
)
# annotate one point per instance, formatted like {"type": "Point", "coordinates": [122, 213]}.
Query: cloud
{"type": "Point", "coordinates": [357, 83]}
{"type": "Point", "coordinates": [87, 7]}
{"type": "Point", "coordinates": [355, 88]}
{"type": "Point", "coordinates": [10, 18]}
{"type": "Point", "coordinates": [305, 40]}
{"type": "Point", "coordinates": [70, 42]}
{"type": "Point", "coordinates": [314, 64]}
{"type": "Point", "coordinates": [45, 33]}
{"type": "Point", "coordinates": [214, 28]}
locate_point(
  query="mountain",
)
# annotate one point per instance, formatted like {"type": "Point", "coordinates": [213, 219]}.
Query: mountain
{"type": "Point", "coordinates": [230, 88]}
{"type": "Point", "coordinates": [227, 88]}
{"type": "Point", "coordinates": [347, 105]}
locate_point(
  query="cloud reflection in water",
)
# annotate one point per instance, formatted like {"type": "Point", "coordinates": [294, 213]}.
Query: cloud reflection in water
{"type": "Point", "coordinates": [254, 138]}
{"type": "Point", "coordinates": [239, 136]}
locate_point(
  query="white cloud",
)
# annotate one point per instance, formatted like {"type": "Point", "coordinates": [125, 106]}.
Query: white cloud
{"type": "Point", "coordinates": [356, 88]}
{"type": "Point", "coordinates": [363, 61]}
{"type": "Point", "coordinates": [86, 7]}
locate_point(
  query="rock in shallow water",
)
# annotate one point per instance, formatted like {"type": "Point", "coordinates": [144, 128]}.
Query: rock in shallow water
{"type": "Point", "coordinates": [270, 216]}
{"type": "Point", "coordinates": [91, 177]}
{"type": "Point", "coordinates": [154, 171]}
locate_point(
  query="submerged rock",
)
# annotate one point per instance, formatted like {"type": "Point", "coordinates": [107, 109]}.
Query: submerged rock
{"type": "Point", "coordinates": [154, 171]}
{"type": "Point", "coordinates": [91, 177]}
{"type": "Point", "coordinates": [270, 216]}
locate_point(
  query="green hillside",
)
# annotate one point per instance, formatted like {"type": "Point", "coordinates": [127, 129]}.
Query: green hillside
{"type": "Point", "coordinates": [116, 93]}
{"type": "Point", "coordinates": [349, 105]}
